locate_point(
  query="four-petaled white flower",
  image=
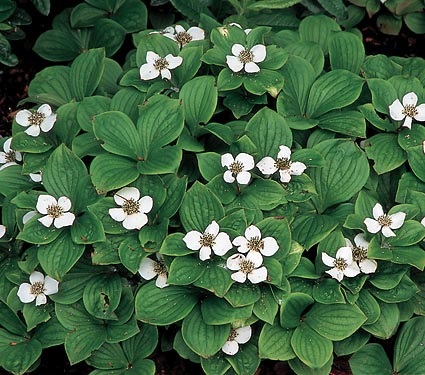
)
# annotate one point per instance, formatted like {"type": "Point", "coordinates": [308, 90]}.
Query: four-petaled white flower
{"type": "Point", "coordinates": [254, 245]}
{"type": "Point", "coordinates": [283, 164]}
{"type": "Point", "coordinates": [238, 167]}
{"type": "Point", "coordinates": [150, 268]}
{"type": "Point", "coordinates": [359, 251]}
{"type": "Point", "coordinates": [183, 36]}
{"type": "Point", "coordinates": [343, 264]}
{"type": "Point", "coordinates": [407, 110]}
{"type": "Point", "coordinates": [2, 230]}
{"type": "Point", "coordinates": [247, 31]}
{"type": "Point", "coordinates": [133, 209]}
{"type": "Point", "coordinates": [42, 119]}
{"type": "Point", "coordinates": [246, 267]}
{"type": "Point", "coordinates": [156, 65]}
{"type": "Point", "coordinates": [212, 240]}
{"type": "Point", "coordinates": [39, 288]}
{"type": "Point", "coordinates": [384, 222]}
{"type": "Point", "coordinates": [9, 156]}
{"type": "Point", "coordinates": [246, 59]}
{"type": "Point", "coordinates": [56, 211]}
{"type": "Point", "coordinates": [237, 336]}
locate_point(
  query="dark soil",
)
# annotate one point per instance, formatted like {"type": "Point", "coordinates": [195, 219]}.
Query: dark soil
{"type": "Point", "coordinates": [14, 83]}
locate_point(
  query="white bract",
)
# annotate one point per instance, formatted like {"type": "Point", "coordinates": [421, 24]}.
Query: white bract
{"type": "Point", "coordinates": [133, 210]}
{"type": "Point", "coordinates": [237, 336]}
{"type": "Point", "coordinates": [407, 110]}
{"type": "Point", "coordinates": [39, 288]}
{"type": "Point", "coordinates": [55, 211]}
{"type": "Point", "coordinates": [237, 167]}
{"type": "Point", "coordinates": [2, 230]}
{"type": "Point", "coordinates": [246, 267]}
{"type": "Point", "coordinates": [150, 268]}
{"type": "Point", "coordinates": [183, 36]}
{"type": "Point", "coordinates": [9, 156]}
{"type": "Point", "coordinates": [254, 245]}
{"type": "Point", "coordinates": [384, 222]}
{"type": "Point", "coordinates": [283, 164]}
{"type": "Point", "coordinates": [212, 240]}
{"type": "Point", "coordinates": [343, 264]}
{"type": "Point", "coordinates": [359, 251]}
{"type": "Point", "coordinates": [247, 31]}
{"type": "Point", "coordinates": [42, 119]}
{"type": "Point", "coordinates": [156, 65]}
{"type": "Point", "coordinates": [36, 177]}
{"type": "Point", "coordinates": [243, 59]}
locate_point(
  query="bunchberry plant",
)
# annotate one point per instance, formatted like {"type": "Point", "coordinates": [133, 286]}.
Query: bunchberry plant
{"type": "Point", "coordinates": [236, 191]}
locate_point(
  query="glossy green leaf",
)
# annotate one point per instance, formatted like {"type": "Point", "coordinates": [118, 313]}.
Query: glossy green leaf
{"type": "Point", "coordinates": [292, 307]}
{"type": "Point", "coordinates": [275, 343]}
{"type": "Point", "coordinates": [371, 359]}
{"type": "Point", "coordinates": [185, 270]}
{"type": "Point", "coordinates": [346, 51]}
{"type": "Point", "coordinates": [246, 360]}
{"type": "Point", "coordinates": [217, 311]}
{"type": "Point", "coordinates": [318, 29]}
{"type": "Point", "coordinates": [108, 34]}
{"type": "Point", "coordinates": [387, 323]}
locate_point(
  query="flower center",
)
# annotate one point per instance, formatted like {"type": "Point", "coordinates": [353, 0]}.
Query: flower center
{"type": "Point", "coordinates": [207, 240]}
{"type": "Point", "coordinates": [36, 118]}
{"type": "Point", "coordinates": [160, 268]}
{"type": "Point", "coordinates": [246, 56]}
{"type": "Point", "coordinates": [410, 110]}
{"type": "Point", "coordinates": [131, 206]}
{"type": "Point", "coordinates": [340, 264]}
{"type": "Point", "coordinates": [10, 156]}
{"type": "Point", "coordinates": [359, 253]}
{"type": "Point", "coordinates": [183, 38]}
{"type": "Point", "coordinates": [161, 64]}
{"type": "Point", "coordinates": [55, 210]}
{"type": "Point", "coordinates": [233, 334]}
{"type": "Point", "coordinates": [246, 266]}
{"type": "Point", "coordinates": [37, 288]}
{"type": "Point", "coordinates": [384, 220]}
{"type": "Point", "coordinates": [283, 164]}
{"type": "Point", "coordinates": [236, 167]}
{"type": "Point", "coordinates": [255, 244]}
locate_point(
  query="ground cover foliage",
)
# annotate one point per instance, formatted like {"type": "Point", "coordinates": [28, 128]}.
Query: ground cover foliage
{"type": "Point", "coordinates": [246, 185]}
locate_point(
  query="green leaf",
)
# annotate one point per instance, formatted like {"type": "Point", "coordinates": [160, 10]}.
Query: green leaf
{"type": "Point", "coordinates": [84, 15]}
{"type": "Point", "coordinates": [205, 340]}
{"type": "Point", "coordinates": [264, 81]}
{"type": "Point", "coordinates": [216, 365]}
{"type": "Point", "coordinates": [326, 320]}
{"type": "Point", "coordinates": [346, 172]}
{"type": "Point", "coordinates": [310, 347]}
{"type": "Point", "coordinates": [346, 51]}
{"type": "Point", "coordinates": [383, 94]}
{"type": "Point", "coordinates": [176, 303]}
{"type": "Point", "coordinates": [132, 15]}
{"type": "Point", "coordinates": [108, 34]}
{"type": "Point", "coordinates": [191, 8]}
{"type": "Point", "coordinates": [102, 295]}
{"type": "Point", "coordinates": [59, 256]}
{"type": "Point", "coordinates": [292, 307]}
{"type": "Point", "coordinates": [371, 359]}
{"type": "Point", "coordinates": [215, 278]}
{"type": "Point", "coordinates": [333, 90]}
{"type": "Point", "coordinates": [174, 245]}
{"type": "Point", "coordinates": [86, 71]}
{"type": "Point", "coordinates": [272, 4]}
{"type": "Point", "coordinates": [26, 143]}
{"type": "Point", "coordinates": [209, 164]}
{"type": "Point", "coordinates": [13, 180]}
{"type": "Point", "coordinates": [266, 307]}
{"type": "Point", "coordinates": [415, 22]}
{"type": "Point", "coordinates": [412, 255]}
{"type": "Point", "coordinates": [415, 158]}
{"type": "Point", "coordinates": [404, 291]}
{"type": "Point", "coordinates": [36, 233]}
{"type": "Point", "coordinates": [268, 131]}
{"type": "Point", "coordinates": [199, 97]}
{"type": "Point", "coordinates": [111, 172]}
{"type": "Point", "coordinates": [57, 45]}
{"type": "Point", "coordinates": [199, 208]}
{"type": "Point", "coordinates": [34, 315]}
{"type": "Point", "coordinates": [318, 29]}
{"type": "Point", "coordinates": [51, 333]}
{"type": "Point", "coordinates": [243, 294]}
{"type": "Point", "coordinates": [275, 343]}
{"type": "Point", "coordinates": [87, 229]}
{"type": "Point", "coordinates": [246, 360]}
{"type": "Point", "coordinates": [387, 323]}
{"type": "Point", "coordinates": [351, 123]}
{"type": "Point", "coordinates": [410, 233]}
{"type": "Point", "coordinates": [384, 150]}
{"type": "Point", "coordinates": [310, 52]}
{"type": "Point", "coordinates": [370, 307]}
{"type": "Point", "coordinates": [10, 320]}
{"type": "Point", "coordinates": [217, 311]}
{"type": "Point", "coordinates": [351, 344]}
{"type": "Point", "coordinates": [327, 291]}
{"type": "Point", "coordinates": [185, 270]}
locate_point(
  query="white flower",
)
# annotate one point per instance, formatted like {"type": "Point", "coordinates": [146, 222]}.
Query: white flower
{"type": "Point", "coordinates": [28, 216]}
{"type": "Point", "coordinates": [423, 221]}
{"type": "Point", "coordinates": [156, 65]}
{"type": "Point", "coordinates": [360, 254]}
{"type": "Point", "coordinates": [246, 59]}
{"type": "Point", "coordinates": [254, 245]}
{"type": "Point", "coordinates": [41, 120]}
{"type": "Point", "coordinates": [56, 211]}
{"type": "Point", "coordinates": [9, 156]}
{"type": "Point", "coordinates": [283, 164]}
{"type": "Point", "coordinates": [2, 230]}
{"type": "Point", "coordinates": [343, 264]}
{"type": "Point", "coordinates": [133, 208]}
{"type": "Point", "coordinates": [246, 267]}
{"type": "Point", "coordinates": [36, 177]}
{"type": "Point", "coordinates": [39, 288]}
{"type": "Point", "coordinates": [238, 167]}
{"type": "Point", "coordinates": [182, 36]}
{"type": "Point", "coordinates": [247, 31]}
{"type": "Point", "coordinates": [407, 110]}
{"type": "Point", "coordinates": [384, 221]}
{"type": "Point", "coordinates": [149, 269]}
{"type": "Point", "coordinates": [383, 1]}
{"type": "Point", "coordinates": [212, 240]}
{"type": "Point", "coordinates": [237, 336]}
